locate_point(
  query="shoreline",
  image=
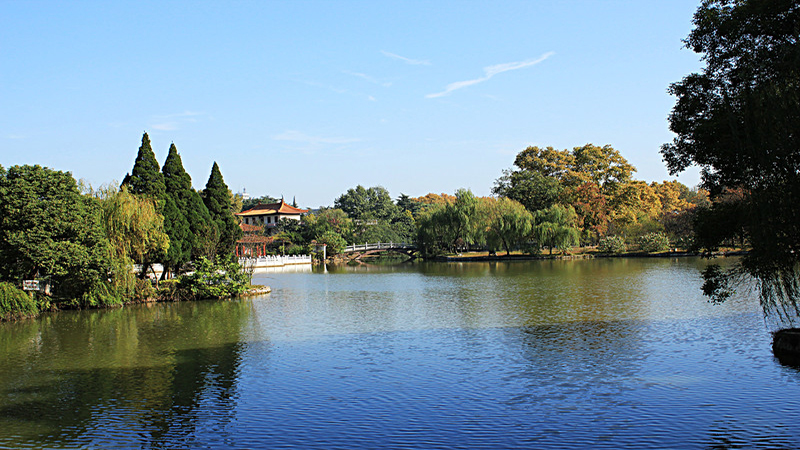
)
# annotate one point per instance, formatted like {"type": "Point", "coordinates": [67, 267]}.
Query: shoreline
{"type": "Point", "coordinates": [253, 291]}
{"type": "Point", "coordinates": [578, 256]}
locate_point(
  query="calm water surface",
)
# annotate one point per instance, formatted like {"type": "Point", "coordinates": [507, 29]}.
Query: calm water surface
{"type": "Point", "coordinates": [620, 353]}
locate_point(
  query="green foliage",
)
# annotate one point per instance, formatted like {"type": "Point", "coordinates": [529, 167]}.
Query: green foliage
{"type": "Point", "coordinates": [16, 303]}
{"type": "Point", "coordinates": [328, 219]}
{"type": "Point", "coordinates": [612, 244]}
{"type": "Point", "coordinates": [49, 231]}
{"type": "Point", "coordinates": [509, 225]}
{"type": "Point", "coordinates": [186, 216]}
{"type": "Point", "coordinates": [376, 232]}
{"type": "Point", "coordinates": [217, 199]}
{"type": "Point", "coordinates": [604, 166]}
{"type": "Point", "coordinates": [717, 283]}
{"type": "Point", "coordinates": [100, 294]}
{"type": "Point", "coordinates": [555, 227]}
{"type": "Point", "coordinates": [295, 249]}
{"type": "Point", "coordinates": [653, 242]}
{"type": "Point", "coordinates": [145, 179]}
{"type": "Point", "coordinates": [171, 291]}
{"type": "Point", "coordinates": [362, 204]}
{"type": "Point", "coordinates": [253, 201]}
{"type": "Point", "coordinates": [591, 179]}
{"type": "Point", "coordinates": [334, 241]}
{"type": "Point", "coordinates": [406, 203]}
{"type": "Point", "coordinates": [404, 227]}
{"type": "Point", "coordinates": [533, 189]}
{"type": "Point", "coordinates": [144, 291]}
{"type": "Point", "coordinates": [219, 279]}
{"type": "Point", "coordinates": [450, 226]}
{"type": "Point", "coordinates": [132, 225]}
{"type": "Point", "coordinates": [737, 120]}
{"type": "Point", "coordinates": [177, 228]}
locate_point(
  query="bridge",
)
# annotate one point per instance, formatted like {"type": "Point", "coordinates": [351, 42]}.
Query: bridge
{"type": "Point", "coordinates": [359, 250]}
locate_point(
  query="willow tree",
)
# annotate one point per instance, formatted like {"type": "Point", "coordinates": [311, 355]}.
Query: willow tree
{"type": "Point", "coordinates": [452, 225]}
{"type": "Point", "coordinates": [134, 229]}
{"type": "Point", "coordinates": [738, 119]}
{"type": "Point", "coordinates": [590, 177]}
{"type": "Point", "coordinates": [555, 227]}
{"type": "Point", "coordinates": [510, 224]}
{"type": "Point", "coordinates": [146, 181]}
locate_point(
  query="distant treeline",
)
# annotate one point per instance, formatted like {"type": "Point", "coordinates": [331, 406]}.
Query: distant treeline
{"type": "Point", "coordinates": [551, 199]}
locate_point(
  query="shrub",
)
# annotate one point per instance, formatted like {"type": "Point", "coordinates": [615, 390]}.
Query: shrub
{"type": "Point", "coordinates": [612, 244]}
{"type": "Point", "coordinates": [295, 249]}
{"type": "Point", "coordinates": [218, 279]}
{"type": "Point", "coordinates": [653, 242]}
{"type": "Point", "coordinates": [15, 303]}
{"type": "Point", "coordinates": [100, 294]}
{"type": "Point", "coordinates": [335, 242]}
{"type": "Point", "coordinates": [144, 290]}
{"type": "Point", "coordinates": [171, 290]}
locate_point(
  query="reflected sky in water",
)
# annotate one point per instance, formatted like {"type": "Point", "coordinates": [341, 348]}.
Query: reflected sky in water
{"type": "Point", "coordinates": [617, 353]}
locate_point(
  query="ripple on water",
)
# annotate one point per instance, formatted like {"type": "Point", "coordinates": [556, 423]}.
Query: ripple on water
{"type": "Point", "coordinates": [504, 356]}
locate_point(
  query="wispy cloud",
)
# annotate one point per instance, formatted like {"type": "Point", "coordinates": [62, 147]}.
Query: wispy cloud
{"type": "Point", "coordinates": [413, 62]}
{"type": "Point", "coordinates": [15, 136]}
{"type": "Point", "coordinates": [296, 136]}
{"type": "Point", "coordinates": [367, 78]}
{"type": "Point", "coordinates": [489, 72]}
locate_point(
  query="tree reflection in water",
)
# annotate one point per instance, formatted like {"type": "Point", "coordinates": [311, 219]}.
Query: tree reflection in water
{"type": "Point", "coordinates": [78, 378]}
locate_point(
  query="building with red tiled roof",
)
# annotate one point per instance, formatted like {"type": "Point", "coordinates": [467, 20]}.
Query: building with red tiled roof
{"type": "Point", "coordinates": [267, 215]}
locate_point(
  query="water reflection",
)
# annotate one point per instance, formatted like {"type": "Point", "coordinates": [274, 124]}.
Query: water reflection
{"type": "Point", "coordinates": [593, 354]}
{"type": "Point", "coordinates": [156, 371]}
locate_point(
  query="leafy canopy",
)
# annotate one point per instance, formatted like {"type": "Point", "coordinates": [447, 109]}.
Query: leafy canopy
{"type": "Point", "coordinates": [738, 119]}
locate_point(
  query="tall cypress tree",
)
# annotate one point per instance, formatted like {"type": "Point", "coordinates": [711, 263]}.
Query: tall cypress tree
{"type": "Point", "coordinates": [145, 178]}
{"type": "Point", "coordinates": [176, 225]}
{"type": "Point", "coordinates": [199, 222]}
{"type": "Point", "coordinates": [217, 199]}
{"type": "Point", "coordinates": [188, 201]}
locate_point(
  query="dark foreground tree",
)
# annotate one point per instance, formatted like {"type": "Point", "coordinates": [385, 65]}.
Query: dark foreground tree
{"type": "Point", "coordinates": [739, 120]}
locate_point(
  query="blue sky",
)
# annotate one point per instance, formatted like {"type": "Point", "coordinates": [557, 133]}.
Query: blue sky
{"type": "Point", "coordinates": [310, 98]}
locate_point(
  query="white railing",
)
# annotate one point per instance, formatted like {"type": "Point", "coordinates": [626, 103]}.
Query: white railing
{"type": "Point", "coordinates": [275, 261]}
{"type": "Point", "coordinates": [376, 246]}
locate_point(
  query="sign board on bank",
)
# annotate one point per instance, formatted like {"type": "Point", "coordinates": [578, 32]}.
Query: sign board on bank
{"type": "Point", "coordinates": [30, 285]}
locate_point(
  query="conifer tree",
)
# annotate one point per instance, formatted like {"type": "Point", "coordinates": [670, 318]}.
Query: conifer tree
{"type": "Point", "coordinates": [217, 199]}
{"type": "Point", "coordinates": [176, 225]}
{"type": "Point", "coordinates": [145, 178]}
{"type": "Point", "coordinates": [194, 217]}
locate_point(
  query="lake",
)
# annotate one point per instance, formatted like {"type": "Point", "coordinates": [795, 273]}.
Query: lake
{"type": "Point", "coordinates": [603, 353]}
